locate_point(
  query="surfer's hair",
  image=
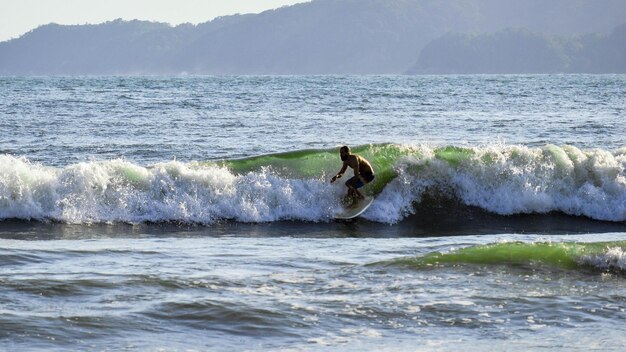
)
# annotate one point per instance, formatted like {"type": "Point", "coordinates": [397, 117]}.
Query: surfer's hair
{"type": "Point", "coordinates": [345, 149]}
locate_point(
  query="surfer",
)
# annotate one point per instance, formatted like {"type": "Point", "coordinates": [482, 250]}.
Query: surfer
{"type": "Point", "coordinates": [363, 173]}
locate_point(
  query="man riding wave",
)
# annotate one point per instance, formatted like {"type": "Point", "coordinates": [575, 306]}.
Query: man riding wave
{"type": "Point", "coordinates": [363, 173]}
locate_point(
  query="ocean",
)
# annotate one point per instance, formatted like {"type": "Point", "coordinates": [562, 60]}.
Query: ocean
{"type": "Point", "coordinates": [195, 213]}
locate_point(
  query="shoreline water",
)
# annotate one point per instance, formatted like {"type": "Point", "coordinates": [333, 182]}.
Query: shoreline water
{"type": "Point", "coordinates": [288, 293]}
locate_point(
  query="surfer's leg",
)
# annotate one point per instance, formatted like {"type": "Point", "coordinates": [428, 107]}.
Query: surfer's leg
{"type": "Point", "coordinates": [348, 200]}
{"type": "Point", "coordinates": [354, 184]}
{"type": "Point", "coordinates": [353, 195]}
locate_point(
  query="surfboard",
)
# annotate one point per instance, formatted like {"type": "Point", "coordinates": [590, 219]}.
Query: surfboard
{"type": "Point", "coordinates": [356, 210]}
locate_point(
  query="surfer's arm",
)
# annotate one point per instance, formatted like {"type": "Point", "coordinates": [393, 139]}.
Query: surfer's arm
{"type": "Point", "coordinates": [340, 173]}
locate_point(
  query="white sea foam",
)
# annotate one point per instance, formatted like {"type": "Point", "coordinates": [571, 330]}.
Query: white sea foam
{"type": "Point", "coordinates": [119, 191]}
{"type": "Point", "coordinates": [514, 179]}
{"type": "Point", "coordinates": [612, 258]}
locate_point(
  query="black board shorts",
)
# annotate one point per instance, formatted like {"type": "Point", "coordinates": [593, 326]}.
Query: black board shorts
{"type": "Point", "coordinates": [369, 177]}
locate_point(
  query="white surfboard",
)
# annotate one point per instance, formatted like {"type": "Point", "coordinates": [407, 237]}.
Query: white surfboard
{"type": "Point", "coordinates": [356, 210]}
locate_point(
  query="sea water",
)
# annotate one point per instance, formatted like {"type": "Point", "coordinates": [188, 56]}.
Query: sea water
{"type": "Point", "coordinates": [196, 213]}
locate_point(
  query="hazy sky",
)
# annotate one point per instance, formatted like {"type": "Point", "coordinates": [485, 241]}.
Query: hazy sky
{"type": "Point", "coordinates": [20, 16]}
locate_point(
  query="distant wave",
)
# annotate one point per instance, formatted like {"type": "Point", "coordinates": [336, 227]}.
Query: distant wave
{"type": "Point", "coordinates": [502, 179]}
{"type": "Point", "coordinates": [605, 256]}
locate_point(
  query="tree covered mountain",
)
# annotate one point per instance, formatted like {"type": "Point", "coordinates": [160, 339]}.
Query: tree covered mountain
{"type": "Point", "coordinates": [318, 37]}
{"type": "Point", "coordinates": [522, 51]}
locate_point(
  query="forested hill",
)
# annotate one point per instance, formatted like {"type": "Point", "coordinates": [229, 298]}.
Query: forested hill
{"type": "Point", "coordinates": [318, 37]}
{"type": "Point", "coordinates": [521, 51]}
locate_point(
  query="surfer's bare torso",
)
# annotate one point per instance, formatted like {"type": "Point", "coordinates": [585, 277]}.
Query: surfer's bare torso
{"type": "Point", "coordinates": [358, 164]}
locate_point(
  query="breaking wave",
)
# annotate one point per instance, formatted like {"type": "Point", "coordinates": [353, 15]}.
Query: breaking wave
{"type": "Point", "coordinates": [502, 179]}
{"type": "Point", "coordinates": [604, 256]}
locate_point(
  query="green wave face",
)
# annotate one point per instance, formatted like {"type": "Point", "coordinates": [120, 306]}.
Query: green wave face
{"type": "Point", "coordinates": [500, 179]}
{"type": "Point", "coordinates": [323, 163]}
{"type": "Point", "coordinates": [453, 155]}
{"type": "Point", "coordinates": [566, 255]}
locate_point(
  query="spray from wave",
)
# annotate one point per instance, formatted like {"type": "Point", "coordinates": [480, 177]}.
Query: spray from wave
{"type": "Point", "coordinates": [119, 191]}
{"type": "Point", "coordinates": [294, 186]}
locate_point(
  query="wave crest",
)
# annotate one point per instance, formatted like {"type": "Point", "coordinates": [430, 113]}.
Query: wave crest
{"type": "Point", "coordinates": [603, 256]}
{"type": "Point", "coordinates": [500, 179]}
